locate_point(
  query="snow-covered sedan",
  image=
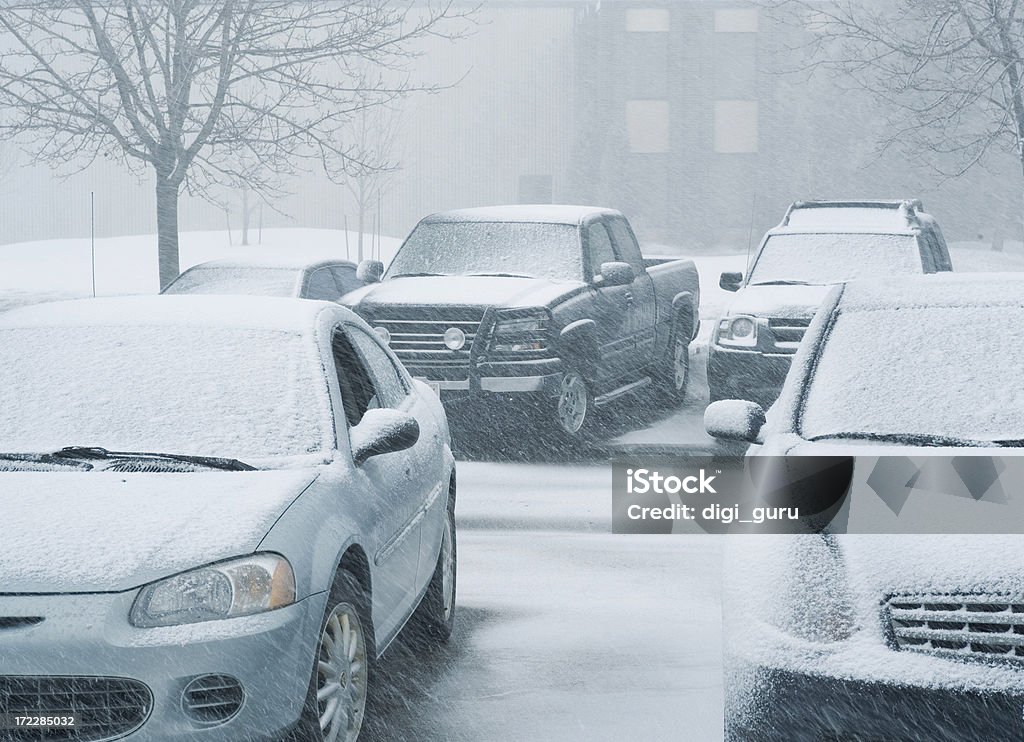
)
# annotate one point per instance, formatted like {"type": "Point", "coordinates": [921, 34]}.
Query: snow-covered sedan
{"type": "Point", "coordinates": [215, 514]}
{"type": "Point", "coordinates": [894, 637]}
{"type": "Point", "coordinates": [287, 275]}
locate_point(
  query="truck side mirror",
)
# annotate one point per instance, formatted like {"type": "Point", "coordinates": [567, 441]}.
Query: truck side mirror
{"type": "Point", "coordinates": [617, 274]}
{"type": "Point", "coordinates": [731, 281]}
{"type": "Point", "coordinates": [370, 271]}
{"type": "Point", "coordinates": [734, 420]}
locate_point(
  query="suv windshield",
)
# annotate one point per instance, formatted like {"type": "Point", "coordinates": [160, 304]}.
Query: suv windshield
{"type": "Point", "coordinates": [940, 371]}
{"type": "Point", "coordinates": [835, 258]}
{"type": "Point", "coordinates": [512, 248]}
{"type": "Point", "coordinates": [199, 391]}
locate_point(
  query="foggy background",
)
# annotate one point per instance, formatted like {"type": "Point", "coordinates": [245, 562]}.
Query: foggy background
{"type": "Point", "coordinates": [677, 113]}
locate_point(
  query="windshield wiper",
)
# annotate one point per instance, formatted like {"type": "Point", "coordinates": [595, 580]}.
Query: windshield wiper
{"type": "Point", "coordinates": [784, 283]}
{"type": "Point", "coordinates": [502, 275]}
{"type": "Point", "coordinates": [45, 459]}
{"type": "Point", "coordinates": [918, 439]}
{"type": "Point", "coordinates": [416, 275]}
{"type": "Point", "coordinates": [102, 454]}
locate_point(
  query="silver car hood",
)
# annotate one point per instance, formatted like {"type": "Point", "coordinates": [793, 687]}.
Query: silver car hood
{"type": "Point", "coordinates": [103, 532]}
{"type": "Point", "coordinates": [790, 302]}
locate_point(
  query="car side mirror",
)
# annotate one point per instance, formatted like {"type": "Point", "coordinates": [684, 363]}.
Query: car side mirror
{"type": "Point", "coordinates": [383, 431]}
{"type": "Point", "coordinates": [370, 271]}
{"type": "Point", "coordinates": [731, 281]}
{"type": "Point", "coordinates": [616, 274]}
{"type": "Point", "coordinates": [734, 420]}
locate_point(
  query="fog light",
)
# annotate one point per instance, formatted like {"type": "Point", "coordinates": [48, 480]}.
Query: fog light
{"type": "Point", "coordinates": [742, 328]}
{"type": "Point", "coordinates": [212, 699]}
{"type": "Point", "coordinates": [454, 338]}
{"type": "Point", "coordinates": [384, 334]}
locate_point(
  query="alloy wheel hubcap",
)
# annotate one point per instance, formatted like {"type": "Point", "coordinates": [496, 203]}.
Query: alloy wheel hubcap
{"type": "Point", "coordinates": [572, 403]}
{"type": "Point", "coordinates": [341, 676]}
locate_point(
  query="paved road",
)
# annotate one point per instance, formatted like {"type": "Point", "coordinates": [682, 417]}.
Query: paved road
{"type": "Point", "coordinates": [564, 632]}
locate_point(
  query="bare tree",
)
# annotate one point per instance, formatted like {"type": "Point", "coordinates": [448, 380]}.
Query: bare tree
{"type": "Point", "coordinates": [950, 72]}
{"type": "Point", "coordinates": [373, 133]}
{"type": "Point", "coordinates": [205, 92]}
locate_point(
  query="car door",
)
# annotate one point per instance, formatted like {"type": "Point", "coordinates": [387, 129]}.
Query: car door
{"type": "Point", "coordinates": [611, 304]}
{"type": "Point", "coordinates": [394, 538]}
{"type": "Point", "coordinates": [422, 474]}
{"type": "Point", "coordinates": [641, 302]}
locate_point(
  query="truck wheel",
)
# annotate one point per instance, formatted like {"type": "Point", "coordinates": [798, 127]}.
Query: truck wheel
{"type": "Point", "coordinates": [574, 406]}
{"type": "Point", "coordinates": [673, 376]}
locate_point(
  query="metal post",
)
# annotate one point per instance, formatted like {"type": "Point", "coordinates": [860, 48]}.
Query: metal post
{"type": "Point", "coordinates": [92, 238]}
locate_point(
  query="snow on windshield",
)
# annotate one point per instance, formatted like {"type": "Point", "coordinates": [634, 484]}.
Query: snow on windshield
{"type": "Point", "coordinates": [944, 371]}
{"type": "Point", "coordinates": [835, 258]}
{"type": "Point", "coordinates": [458, 248]}
{"type": "Point", "coordinates": [208, 391]}
{"type": "Point", "coordinates": [230, 279]}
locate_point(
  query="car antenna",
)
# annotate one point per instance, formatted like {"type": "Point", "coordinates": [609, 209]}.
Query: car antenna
{"type": "Point", "coordinates": [750, 233]}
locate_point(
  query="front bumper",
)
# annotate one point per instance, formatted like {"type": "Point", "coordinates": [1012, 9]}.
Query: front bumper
{"type": "Point", "coordinates": [507, 378]}
{"type": "Point", "coordinates": [800, 707]}
{"type": "Point", "coordinates": [90, 636]}
{"type": "Point", "coordinates": [746, 374]}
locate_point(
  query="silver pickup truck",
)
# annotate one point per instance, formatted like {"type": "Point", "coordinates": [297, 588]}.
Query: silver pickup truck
{"type": "Point", "coordinates": [549, 307]}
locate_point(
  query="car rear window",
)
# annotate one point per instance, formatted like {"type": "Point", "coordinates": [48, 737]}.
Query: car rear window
{"type": "Point", "coordinates": [206, 391]}
{"type": "Point", "coordinates": [943, 371]}
{"type": "Point", "coordinates": [244, 280]}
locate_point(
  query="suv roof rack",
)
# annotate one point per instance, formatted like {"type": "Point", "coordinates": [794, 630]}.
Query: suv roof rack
{"type": "Point", "coordinates": [911, 208]}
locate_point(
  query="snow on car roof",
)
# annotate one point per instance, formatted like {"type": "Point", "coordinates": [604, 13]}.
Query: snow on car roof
{"type": "Point", "coordinates": [539, 214]}
{"type": "Point", "coordinates": [240, 312]}
{"type": "Point", "coordinates": [944, 289]}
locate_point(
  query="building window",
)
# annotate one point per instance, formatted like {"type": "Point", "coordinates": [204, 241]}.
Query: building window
{"type": "Point", "coordinates": [648, 20]}
{"type": "Point", "coordinates": [647, 122]}
{"type": "Point", "coordinates": [737, 20]}
{"type": "Point", "coordinates": [736, 126]}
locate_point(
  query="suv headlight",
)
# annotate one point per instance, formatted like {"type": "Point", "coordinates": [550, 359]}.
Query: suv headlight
{"type": "Point", "coordinates": [739, 331]}
{"type": "Point", "coordinates": [519, 332]}
{"type": "Point", "coordinates": [237, 587]}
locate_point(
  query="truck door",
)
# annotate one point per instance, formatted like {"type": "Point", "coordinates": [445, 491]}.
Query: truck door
{"type": "Point", "coordinates": [611, 306]}
{"type": "Point", "coordinates": [641, 303]}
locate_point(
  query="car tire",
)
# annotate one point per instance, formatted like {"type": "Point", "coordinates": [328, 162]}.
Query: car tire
{"type": "Point", "coordinates": [434, 620]}
{"type": "Point", "coordinates": [574, 415]}
{"type": "Point", "coordinates": [342, 668]}
{"type": "Point", "coordinates": [672, 376]}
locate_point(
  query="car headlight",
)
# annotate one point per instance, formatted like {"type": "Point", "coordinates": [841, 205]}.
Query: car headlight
{"type": "Point", "coordinates": [238, 587]}
{"type": "Point", "coordinates": [739, 331]}
{"type": "Point", "coordinates": [518, 333]}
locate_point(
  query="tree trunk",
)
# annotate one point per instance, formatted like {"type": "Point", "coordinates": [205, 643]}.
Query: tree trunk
{"type": "Point", "coordinates": [362, 219]}
{"type": "Point", "coordinates": [167, 230]}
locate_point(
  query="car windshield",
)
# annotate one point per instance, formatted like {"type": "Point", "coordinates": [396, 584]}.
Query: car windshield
{"type": "Point", "coordinates": [201, 391]}
{"type": "Point", "coordinates": [835, 258]}
{"type": "Point", "coordinates": [945, 371]}
{"type": "Point", "coordinates": [509, 248]}
{"type": "Point", "coordinates": [244, 280]}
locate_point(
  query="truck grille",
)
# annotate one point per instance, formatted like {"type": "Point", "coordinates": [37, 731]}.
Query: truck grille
{"type": "Point", "coordinates": [788, 332]}
{"type": "Point", "coordinates": [104, 708]}
{"type": "Point", "coordinates": [979, 625]}
{"type": "Point", "coordinates": [417, 338]}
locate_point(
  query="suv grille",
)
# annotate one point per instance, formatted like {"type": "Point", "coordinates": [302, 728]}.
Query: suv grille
{"type": "Point", "coordinates": [417, 338]}
{"type": "Point", "coordinates": [104, 708]}
{"type": "Point", "coordinates": [980, 625]}
{"type": "Point", "coordinates": [788, 332]}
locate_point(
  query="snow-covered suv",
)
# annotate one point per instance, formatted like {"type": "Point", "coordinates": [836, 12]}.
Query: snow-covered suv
{"type": "Point", "coordinates": [819, 244]}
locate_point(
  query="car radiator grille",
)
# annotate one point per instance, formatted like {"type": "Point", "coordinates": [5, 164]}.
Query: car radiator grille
{"type": "Point", "coordinates": [978, 625]}
{"type": "Point", "coordinates": [104, 708]}
{"type": "Point", "coordinates": [788, 332]}
{"type": "Point", "coordinates": [418, 340]}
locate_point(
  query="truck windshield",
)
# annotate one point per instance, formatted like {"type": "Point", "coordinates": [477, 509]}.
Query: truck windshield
{"type": "Point", "coordinates": [506, 248]}
{"type": "Point", "coordinates": [835, 258]}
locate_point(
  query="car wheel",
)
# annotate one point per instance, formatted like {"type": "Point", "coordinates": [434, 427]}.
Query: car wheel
{"type": "Point", "coordinates": [574, 407]}
{"type": "Point", "coordinates": [434, 619]}
{"type": "Point", "coordinates": [336, 701]}
{"type": "Point", "coordinates": [674, 375]}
